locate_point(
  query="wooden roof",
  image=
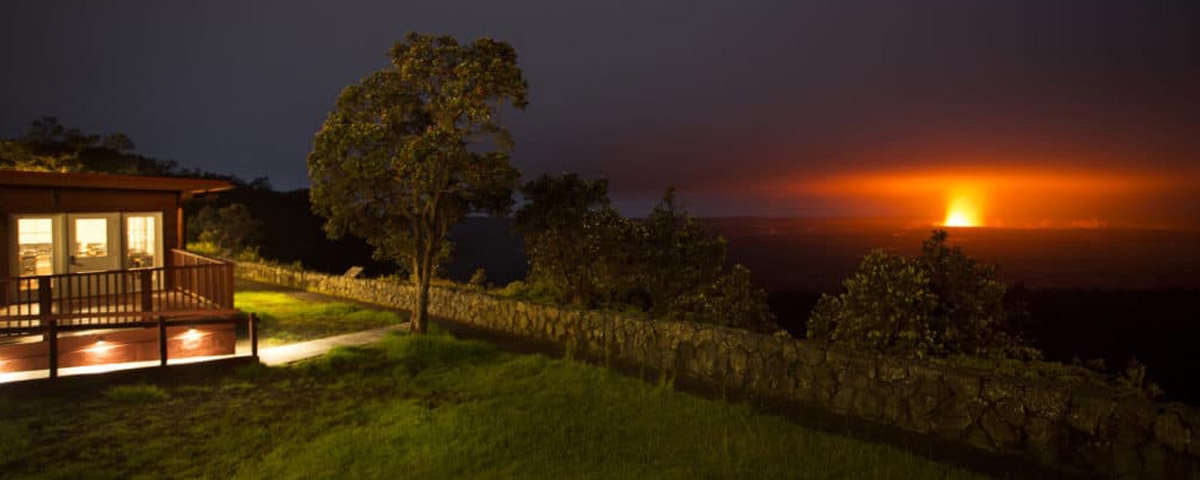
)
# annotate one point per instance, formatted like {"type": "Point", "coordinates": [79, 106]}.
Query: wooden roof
{"type": "Point", "coordinates": [112, 182]}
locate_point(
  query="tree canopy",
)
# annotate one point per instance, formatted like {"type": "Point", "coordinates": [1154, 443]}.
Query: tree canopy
{"type": "Point", "coordinates": [566, 220]}
{"type": "Point", "coordinates": [936, 304]}
{"type": "Point", "coordinates": [582, 251]}
{"type": "Point", "coordinates": [411, 150]}
{"type": "Point", "coordinates": [52, 147]}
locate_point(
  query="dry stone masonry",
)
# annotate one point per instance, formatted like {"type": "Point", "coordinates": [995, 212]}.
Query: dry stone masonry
{"type": "Point", "coordinates": [1093, 430]}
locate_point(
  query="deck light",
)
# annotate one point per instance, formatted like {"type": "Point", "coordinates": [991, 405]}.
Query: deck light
{"type": "Point", "coordinates": [100, 347]}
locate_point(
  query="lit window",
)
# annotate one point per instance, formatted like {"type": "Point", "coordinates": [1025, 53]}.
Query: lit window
{"type": "Point", "coordinates": [35, 239]}
{"type": "Point", "coordinates": [140, 234]}
{"type": "Point", "coordinates": [91, 238]}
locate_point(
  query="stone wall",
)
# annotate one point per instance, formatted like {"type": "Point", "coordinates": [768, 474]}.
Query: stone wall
{"type": "Point", "coordinates": [1095, 431]}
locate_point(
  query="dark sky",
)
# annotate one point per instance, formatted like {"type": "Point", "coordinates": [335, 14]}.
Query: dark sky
{"type": "Point", "coordinates": [742, 105]}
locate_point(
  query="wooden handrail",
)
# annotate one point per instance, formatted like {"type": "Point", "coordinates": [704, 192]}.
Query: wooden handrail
{"type": "Point", "coordinates": [191, 283]}
{"type": "Point", "coordinates": [183, 257]}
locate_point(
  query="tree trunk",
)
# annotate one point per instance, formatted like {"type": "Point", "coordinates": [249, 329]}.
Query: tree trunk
{"type": "Point", "coordinates": [420, 317]}
{"type": "Point", "coordinates": [424, 264]}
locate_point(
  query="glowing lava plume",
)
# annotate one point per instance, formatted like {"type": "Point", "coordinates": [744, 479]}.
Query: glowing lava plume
{"type": "Point", "coordinates": [1008, 197]}
{"type": "Point", "coordinates": [962, 212]}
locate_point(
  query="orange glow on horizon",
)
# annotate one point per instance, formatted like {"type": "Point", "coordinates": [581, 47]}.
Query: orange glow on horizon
{"type": "Point", "coordinates": [1000, 197]}
{"type": "Point", "coordinates": [963, 210]}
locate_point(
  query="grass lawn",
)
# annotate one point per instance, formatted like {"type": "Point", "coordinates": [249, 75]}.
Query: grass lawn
{"type": "Point", "coordinates": [287, 316]}
{"type": "Point", "coordinates": [421, 407]}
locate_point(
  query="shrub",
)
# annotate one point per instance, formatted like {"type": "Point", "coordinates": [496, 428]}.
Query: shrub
{"type": "Point", "coordinates": [731, 301]}
{"type": "Point", "coordinates": [939, 303]}
{"type": "Point", "coordinates": [478, 279]}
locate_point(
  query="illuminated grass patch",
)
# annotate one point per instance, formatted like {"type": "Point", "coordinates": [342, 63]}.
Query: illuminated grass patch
{"type": "Point", "coordinates": [429, 407]}
{"type": "Point", "coordinates": [289, 317]}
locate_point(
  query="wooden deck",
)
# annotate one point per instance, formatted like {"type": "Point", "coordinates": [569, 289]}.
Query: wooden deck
{"type": "Point", "coordinates": [92, 318]}
{"type": "Point", "coordinates": [26, 319]}
{"type": "Point", "coordinates": [193, 286]}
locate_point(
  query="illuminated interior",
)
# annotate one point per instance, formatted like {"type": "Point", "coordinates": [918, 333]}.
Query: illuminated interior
{"type": "Point", "coordinates": [141, 241]}
{"type": "Point", "coordinates": [35, 242]}
{"type": "Point", "coordinates": [91, 237]}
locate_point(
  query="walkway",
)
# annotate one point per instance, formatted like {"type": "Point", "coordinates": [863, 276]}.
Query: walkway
{"type": "Point", "coordinates": [294, 352]}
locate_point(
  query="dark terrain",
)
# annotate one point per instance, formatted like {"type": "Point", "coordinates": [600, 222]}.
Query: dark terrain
{"type": "Point", "coordinates": [1113, 294]}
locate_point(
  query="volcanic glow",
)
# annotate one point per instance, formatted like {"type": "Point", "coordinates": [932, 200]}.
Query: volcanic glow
{"type": "Point", "coordinates": [999, 197]}
{"type": "Point", "coordinates": [962, 212]}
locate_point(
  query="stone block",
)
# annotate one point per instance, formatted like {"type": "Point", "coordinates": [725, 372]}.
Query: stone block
{"type": "Point", "coordinates": [1154, 460]}
{"type": "Point", "coordinates": [1042, 438]}
{"type": "Point", "coordinates": [964, 385]}
{"type": "Point", "coordinates": [1098, 455]}
{"type": "Point", "coordinates": [842, 400]}
{"type": "Point", "coordinates": [890, 369]}
{"type": "Point", "coordinates": [810, 354]}
{"type": "Point", "coordinates": [868, 404]}
{"type": "Point", "coordinates": [1169, 430]}
{"type": "Point", "coordinates": [1086, 412]}
{"type": "Point", "coordinates": [978, 437]}
{"type": "Point", "coordinates": [1002, 434]}
{"type": "Point", "coordinates": [1010, 411]}
{"type": "Point", "coordinates": [1045, 401]}
{"type": "Point", "coordinates": [1126, 426]}
{"type": "Point", "coordinates": [954, 414]}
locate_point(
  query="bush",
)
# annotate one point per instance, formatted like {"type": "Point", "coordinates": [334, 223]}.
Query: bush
{"type": "Point", "coordinates": [536, 292]}
{"type": "Point", "coordinates": [937, 304]}
{"type": "Point", "coordinates": [731, 301]}
{"type": "Point", "coordinates": [230, 229]}
{"type": "Point", "coordinates": [478, 279]}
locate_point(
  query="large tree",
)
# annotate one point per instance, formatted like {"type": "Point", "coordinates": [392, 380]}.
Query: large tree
{"type": "Point", "coordinates": [681, 257]}
{"type": "Point", "coordinates": [566, 220]}
{"type": "Point", "coordinates": [413, 149]}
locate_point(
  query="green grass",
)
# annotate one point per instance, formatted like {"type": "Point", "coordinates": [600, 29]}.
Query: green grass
{"type": "Point", "coordinates": [140, 393]}
{"type": "Point", "coordinates": [422, 407]}
{"type": "Point", "coordinates": [288, 317]}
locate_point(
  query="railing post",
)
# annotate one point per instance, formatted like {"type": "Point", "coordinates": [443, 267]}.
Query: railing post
{"type": "Point", "coordinates": [228, 290]}
{"type": "Point", "coordinates": [45, 299]}
{"type": "Point", "coordinates": [52, 332]}
{"type": "Point", "coordinates": [147, 286]}
{"type": "Point", "coordinates": [162, 340]}
{"type": "Point", "coordinates": [252, 326]}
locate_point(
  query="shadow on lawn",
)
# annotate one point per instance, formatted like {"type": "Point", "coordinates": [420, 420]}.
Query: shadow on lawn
{"type": "Point", "coordinates": [928, 446]}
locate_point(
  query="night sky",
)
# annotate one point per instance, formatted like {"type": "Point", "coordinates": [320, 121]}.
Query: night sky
{"type": "Point", "coordinates": [1059, 112]}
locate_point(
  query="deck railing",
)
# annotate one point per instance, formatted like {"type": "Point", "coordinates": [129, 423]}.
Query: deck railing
{"type": "Point", "coordinates": [192, 285]}
{"type": "Point", "coordinates": [203, 278]}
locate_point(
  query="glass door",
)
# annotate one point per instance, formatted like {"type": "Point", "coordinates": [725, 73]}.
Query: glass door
{"type": "Point", "coordinates": [142, 249]}
{"type": "Point", "coordinates": [35, 246]}
{"type": "Point", "coordinates": [38, 251]}
{"type": "Point", "coordinates": [93, 242]}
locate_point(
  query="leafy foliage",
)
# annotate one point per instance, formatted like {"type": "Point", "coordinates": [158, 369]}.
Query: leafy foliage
{"type": "Point", "coordinates": [681, 257]}
{"type": "Point", "coordinates": [732, 300]}
{"type": "Point", "coordinates": [404, 154]}
{"type": "Point", "coordinates": [231, 229]}
{"type": "Point", "coordinates": [583, 252]}
{"type": "Point", "coordinates": [478, 279]}
{"type": "Point", "coordinates": [939, 303]}
{"type": "Point", "coordinates": [49, 146]}
{"type": "Point", "coordinates": [567, 219]}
